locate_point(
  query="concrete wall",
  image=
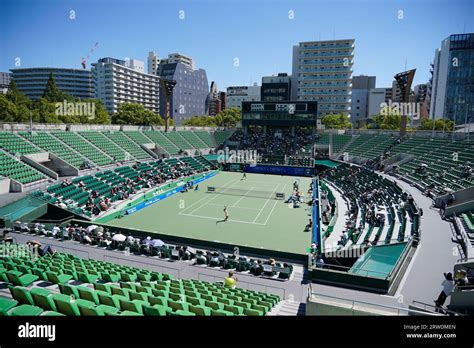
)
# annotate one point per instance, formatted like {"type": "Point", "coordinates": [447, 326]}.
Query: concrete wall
{"type": "Point", "coordinates": [4, 185]}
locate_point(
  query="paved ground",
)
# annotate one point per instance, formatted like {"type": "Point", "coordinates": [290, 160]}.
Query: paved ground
{"type": "Point", "coordinates": [257, 222]}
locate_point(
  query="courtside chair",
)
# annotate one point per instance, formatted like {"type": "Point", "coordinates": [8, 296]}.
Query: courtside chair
{"type": "Point", "coordinates": [155, 310]}
{"type": "Point", "coordinates": [24, 310]}
{"type": "Point", "coordinates": [58, 278]}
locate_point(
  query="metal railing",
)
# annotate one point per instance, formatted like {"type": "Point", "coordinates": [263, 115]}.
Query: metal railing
{"type": "Point", "coordinates": [367, 306]}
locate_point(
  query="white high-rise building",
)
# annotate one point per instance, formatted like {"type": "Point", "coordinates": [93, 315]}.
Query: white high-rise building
{"type": "Point", "coordinates": [322, 72]}
{"type": "Point", "coordinates": [118, 81]}
{"type": "Point", "coordinates": [153, 63]}
{"type": "Point", "coordinates": [180, 58]}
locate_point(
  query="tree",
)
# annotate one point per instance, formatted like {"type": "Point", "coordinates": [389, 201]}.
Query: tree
{"type": "Point", "coordinates": [101, 116]}
{"type": "Point", "coordinates": [228, 118]}
{"type": "Point", "coordinates": [15, 96]}
{"type": "Point", "coordinates": [8, 110]}
{"type": "Point", "coordinates": [137, 115]}
{"type": "Point", "coordinates": [336, 121]}
{"type": "Point", "coordinates": [200, 121]}
{"type": "Point", "coordinates": [53, 94]}
{"type": "Point", "coordinates": [439, 125]}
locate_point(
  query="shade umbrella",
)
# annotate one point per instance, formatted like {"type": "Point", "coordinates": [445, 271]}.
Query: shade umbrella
{"type": "Point", "coordinates": [119, 237]}
{"type": "Point", "coordinates": [91, 228]}
{"type": "Point", "coordinates": [157, 243]}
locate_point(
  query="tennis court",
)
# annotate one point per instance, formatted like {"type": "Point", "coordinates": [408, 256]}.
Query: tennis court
{"type": "Point", "coordinates": [256, 218]}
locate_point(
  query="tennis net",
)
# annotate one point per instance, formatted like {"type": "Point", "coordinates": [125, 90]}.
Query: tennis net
{"type": "Point", "coordinates": [246, 192]}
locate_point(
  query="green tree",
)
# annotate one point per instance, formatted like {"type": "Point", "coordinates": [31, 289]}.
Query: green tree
{"type": "Point", "coordinates": [15, 96]}
{"type": "Point", "coordinates": [228, 118]}
{"type": "Point", "coordinates": [336, 121]}
{"type": "Point", "coordinates": [200, 121]}
{"type": "Point", "coordinates": [101, 116]}
{"type": "Point", "coordinates": [53, 94]}
{"type": "Point", "coordinates": [136, 114]}
{"type": "Point", "coordinates": [439, 125]}
{"type": "Point", "coordinates": [8, 110]}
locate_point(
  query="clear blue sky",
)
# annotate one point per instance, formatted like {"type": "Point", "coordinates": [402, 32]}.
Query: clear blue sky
{"type": "Point", "coordinates": [214, 32]}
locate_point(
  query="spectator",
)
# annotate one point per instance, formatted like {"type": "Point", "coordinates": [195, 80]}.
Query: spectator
{"type": "Point", "coordinates": [39, 249]}
{"type": "Point", "coordinates": [448, 286]}
{"type": "Point", "coordinates": [230, 281]}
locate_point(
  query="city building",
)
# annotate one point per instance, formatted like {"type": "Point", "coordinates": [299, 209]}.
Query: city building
{"type": "Point", "coordinates": [276, 88]}
{"type": "Point", "coordinates": [452, 94]}
{"type": "Point", "coordinates": [322, 71]}
{"type": "Point", "coordinates": [5, 79]}
{"type": "Point", "coordinates": [422, 97]}
{"type": "Point", "coordinates": [191, 93]}
{"type": "Point", "coordinates": [153, 63]}
{"type": "Point", "coordinates": [32, 81]}
{"type": "Point", "coordinates": [214, 100]}
{"type": "Point", "coordinates": [222, 98]}
{"type": "Point", "coordinates": [238, 94]}
{"type": "Point", "coordinates": [118, 81]}
{"type": "Point", "coordinates": [361, 86]}
{"type": "Point", "coordinates": [180, 58]}
{"type": "Point", "coordinates": [376, 97]}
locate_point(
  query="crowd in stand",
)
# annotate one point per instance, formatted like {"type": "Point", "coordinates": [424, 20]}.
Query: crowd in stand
{"type": "Point", "coordinates": [368, 200]}
{"type": "Point", "coordinates": [122, 190]}
{"type": "Point", "coordinates": [102, 237]}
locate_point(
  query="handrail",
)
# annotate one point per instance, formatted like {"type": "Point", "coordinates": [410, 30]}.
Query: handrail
{"type": "Point", "coordinates": [431, 306]}
{"type": "Point", "coordinates": [378, 306]}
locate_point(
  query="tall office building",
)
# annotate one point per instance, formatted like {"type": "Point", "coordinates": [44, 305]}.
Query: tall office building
{"type": "Point", "coordinates": [214, 100]}
{"type": "Point", "coordinates": [32, 81]}
{"type": "Point", "coordinates": [190, 95]}
{"type": "Point", "coordinates": [238, 94]}
{"type": "Point", "coordinates": [322, 71]}
{"type": "Point", "coordinates": [452, 95]}
{"type": "Point", "coordinates": [422, 97]}
{"type": "Point", "coordinates": [361, 86]}
{"type": "Point", "coordinates": [118, 81]}
{"type": "Point", "coordinates": [5, 79]}
{"type": "Point", "coordinates": [222, 98]}
{"type": "Point", "coordinates": [276, 88]}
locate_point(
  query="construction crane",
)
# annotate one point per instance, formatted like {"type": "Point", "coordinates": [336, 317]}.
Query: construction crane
{"type": "Point", "coordinates": [84, 60]}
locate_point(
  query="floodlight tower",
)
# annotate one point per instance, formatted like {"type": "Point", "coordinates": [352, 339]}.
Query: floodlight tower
{"type": "Point", "coordinates": [167, 86]}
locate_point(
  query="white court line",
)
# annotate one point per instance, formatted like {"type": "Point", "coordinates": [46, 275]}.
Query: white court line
{"type": "Point", "coordinates": [213, 218]}
{"type": "Point", "coordinates": [274, 205]}
{"type": "Point", "coordinates": [220, 205]}
{"type": "Point", "coordinates": [210, 200]}
{"type": "Point", "coordinates": [246, 193]}
{"type": "Point", "coordinates": [192, 205]}
{"type": "Point", "coordinates": [266, 202]}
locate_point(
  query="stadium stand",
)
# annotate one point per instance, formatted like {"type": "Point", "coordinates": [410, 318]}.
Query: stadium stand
{"type": "Point", "coordinates": [178, 140]}
{"type": "Point", "coordinates": [16, 170]}
{"type": "Point", "coordinates": [207, 138]}
{"type": "Point", "coordinates": [89, 196]}
{"type": "Point", "coordinates": [107, 146]}
{"type": "Point", "coordinates": [85, 287]}
{"type": "Point", "coordinates": [193, 139]}
{"type": "Point", "coordinates": [85, 148]}
{"type": "Point", "coordinates": [163, 142]}
{"type": "Point", "coordinates": [128, 145]}
{"type": "Point", "coordinates": [15, 145]}
{"type": "Point", "coordinates": [51, 144]}
{"type": "Point", "coordinates": [375, 202]}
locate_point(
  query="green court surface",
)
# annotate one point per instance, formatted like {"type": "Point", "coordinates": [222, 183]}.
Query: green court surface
{"type": "Point", "coordinates": [264, 223]}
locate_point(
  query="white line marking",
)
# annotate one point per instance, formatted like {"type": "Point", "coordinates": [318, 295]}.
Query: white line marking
{"type": "Point", "coordinates": [210, 200]}
{"type": "Point", "coordinates": [220, 205]}
{"type": "Point", "coordinates": [204, 198]}
{"type": "Point", "coordinates": [274, 205]}
{"type": "Point", "coordinates": [246, 193]}
{"type": "Point", "coordinates": [266, 202]}
{"type": "Point", "coordinates": [213, 218]}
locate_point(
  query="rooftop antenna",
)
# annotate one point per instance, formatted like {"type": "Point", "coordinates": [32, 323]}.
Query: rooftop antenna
{"type": "Point", "coordinates": [405, 64]}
